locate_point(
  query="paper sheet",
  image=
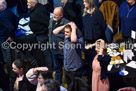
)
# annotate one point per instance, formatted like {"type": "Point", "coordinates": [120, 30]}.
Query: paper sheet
{"type": "Point", "coordinates": [109, 67]}
{"type": "Point", "coordinates": [23, 21]}
{"type": "Point", "coordinates": [128, 54]}
{"type": "Point", "coordinates": [27, 28]}
{"type": "Point", "coordinates": [132, 64]}
{"type": "Point", "coordinates": [133, 34]}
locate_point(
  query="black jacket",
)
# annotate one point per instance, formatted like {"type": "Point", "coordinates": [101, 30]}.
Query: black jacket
{"type": "Point", "coordinates": [7, 24]}
{"type": "Point", "coordinates": [39, 20]}
{"type": "Point", "coordinates": [24, 85]}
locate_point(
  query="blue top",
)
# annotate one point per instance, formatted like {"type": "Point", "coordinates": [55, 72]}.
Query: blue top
{"type": "Point", "coordinates": [94, 26]}
{"type": "Point", "coordinates": [127, 15]}
{"type": "Point", "coordinates": [72, 53]}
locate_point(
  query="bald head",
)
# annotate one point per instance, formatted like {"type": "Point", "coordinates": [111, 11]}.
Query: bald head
{"type": "Point", "coordinates": [57, 13]}
{"type": "Point", "coordinates": [3, 5]}
{"type": "Point", "coordinates": [59, 10]}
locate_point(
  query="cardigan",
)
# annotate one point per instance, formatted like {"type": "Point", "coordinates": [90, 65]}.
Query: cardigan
{"type": "Point", "coordinates": [127, 16]}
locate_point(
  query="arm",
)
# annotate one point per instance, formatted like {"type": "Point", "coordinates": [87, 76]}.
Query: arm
{"type": "Point", "coordinates": [73, 34]}
{"type": "Point", "coordinates": [58, 30]}
{"type": "Point", "coordinates": [31, 75]}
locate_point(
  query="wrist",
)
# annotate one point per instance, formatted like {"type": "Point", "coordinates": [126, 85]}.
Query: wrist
{"type": "Point", "coordinates": [35, 70]}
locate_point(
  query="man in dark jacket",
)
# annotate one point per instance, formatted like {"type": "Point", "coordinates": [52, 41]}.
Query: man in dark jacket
{"type": "Point", "coordinates": [7, 31]}
{"type": "Point", "coordinates": [39, 21]}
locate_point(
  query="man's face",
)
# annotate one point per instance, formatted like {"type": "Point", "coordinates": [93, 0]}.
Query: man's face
{"type": "Point", "coordinates": [64, 1]}
{"type": "Point", "coordinates": [56, 15]}
{"type": "Point", "coordinates": [67, 33]}
{"type": "Point", "coordinates": [131, 2]}
{"type": "Point", "coordinates": [30, 4]}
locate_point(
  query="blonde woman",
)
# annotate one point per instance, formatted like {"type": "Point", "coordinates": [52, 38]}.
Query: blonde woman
{"type": "Point", "coordinates": [93, 22]}
{"type": "Point", "coordinates": [93, 29]}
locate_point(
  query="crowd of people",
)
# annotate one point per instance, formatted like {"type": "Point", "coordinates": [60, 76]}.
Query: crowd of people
{"type": "Point", "coordinates": [74, 25]}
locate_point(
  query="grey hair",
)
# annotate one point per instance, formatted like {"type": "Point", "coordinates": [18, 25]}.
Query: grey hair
{"type": "Point", "coordinates": [3, 3]}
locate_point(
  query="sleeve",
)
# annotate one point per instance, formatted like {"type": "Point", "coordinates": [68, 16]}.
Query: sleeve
{"type": "Point", "coordinates": [32, 77]}
{"type": "Point", "coordinates": [104, 60]}
{"type": "Point", "coordinates": [103, 25]}
{"type": "Point", "coordinates": [9, 25]}
{"type": "Point", "coordinates": [80, 41]}
{"type": "Point", "coordinates": [61, 35]}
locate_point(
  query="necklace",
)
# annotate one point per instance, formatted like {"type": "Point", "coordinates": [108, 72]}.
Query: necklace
{"type": "Point", "coordinates": [129, 10]}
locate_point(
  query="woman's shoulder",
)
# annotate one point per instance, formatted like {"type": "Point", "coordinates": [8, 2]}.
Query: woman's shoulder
{"type": "Point", "coordinates": [123, 4]}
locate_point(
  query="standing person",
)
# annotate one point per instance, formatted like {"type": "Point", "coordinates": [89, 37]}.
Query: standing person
{"type": "Point", "coordinates": [93, 28]}
{"type": "Point", "coordinates": [38, 75]}
{"type": "Point", "coordinates": [100, 80]}
{"type": "Point", "coordinates": [56, 21]}
{"type": "Point", "coordinates": [19, 81]}
{"type": "Point", "coordinates": [7, 34]}
{"type": "Point", "coordinates": [73, 13]}
{"type": "Point", "coordinates": [72, 55]}
{"type": "Point", "coordinates": [127, 16]}
{"type": "Point", "coordinates": [39, 21]}
{"type": "Point", "coordinates": [57, 3]}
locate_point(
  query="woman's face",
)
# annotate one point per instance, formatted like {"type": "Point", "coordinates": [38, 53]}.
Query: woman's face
{"type": "Point", "coordinates": [15, 69]}
{"type": "Point", "coordinates": [40, 79]}
{"type": "Point", "coordinates": [85, 4]}
{"type": "Point", "coordinates": [131, 2]}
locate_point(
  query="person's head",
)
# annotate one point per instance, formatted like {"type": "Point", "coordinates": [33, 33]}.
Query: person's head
{"type": "Point", "coordinates": [31, 3]}
{"type": "Point", "coordinates": [57, 14]}
{"type": "Point", "coordinates": [51, 85]}
{"type": "Point", "coordinates": [64, 1]}
{"type": "Point", "coordinates": [3, 5]}
{"type": "Point", "coordinates": [43, 75]}
{"type": "Point", "coordinates": [131, 2]}
{"type": "Point", "coordinates": [99, 45]}
{"type": "Point", "coordinates": [89, 5]}
{"type": "Point", "coordinates": [68, 31]}
{"type": "Point", "coordinates": [20, 66]}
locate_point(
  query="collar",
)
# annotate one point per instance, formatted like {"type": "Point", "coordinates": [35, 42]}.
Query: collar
{"type": "Point", "coordinates": [33, 8]}
{"type": "Point", "coordinates": [131, 5]}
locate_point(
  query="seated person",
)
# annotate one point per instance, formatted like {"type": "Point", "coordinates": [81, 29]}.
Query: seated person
{"type": "Point", "coordinates": [52, 85]}
{"type": "Point", "coordinates": [38, 75]}
{"type": "Point", "coordinates": [18, 79]}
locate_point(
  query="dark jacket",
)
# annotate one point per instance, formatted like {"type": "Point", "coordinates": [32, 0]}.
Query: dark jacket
{"type": "Point", "coordinates": [94, 26]}
{"type": "Point", "coordinates": [73, 13]}
{"type": "Point", "coordinates": [78, 84]}
{"type": "Point", "coordinates": [51, 27]}
{"type": "Point", "coordinates": [69, 12]}
{"type": "Point", "coordinates": [7, 24]}
{"type": "Point", "coordinates": [24, 85]}
{"type": "Point", "coordinates": [39, 20]}
{"type": "Point", "coordinates": [104, 61]}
